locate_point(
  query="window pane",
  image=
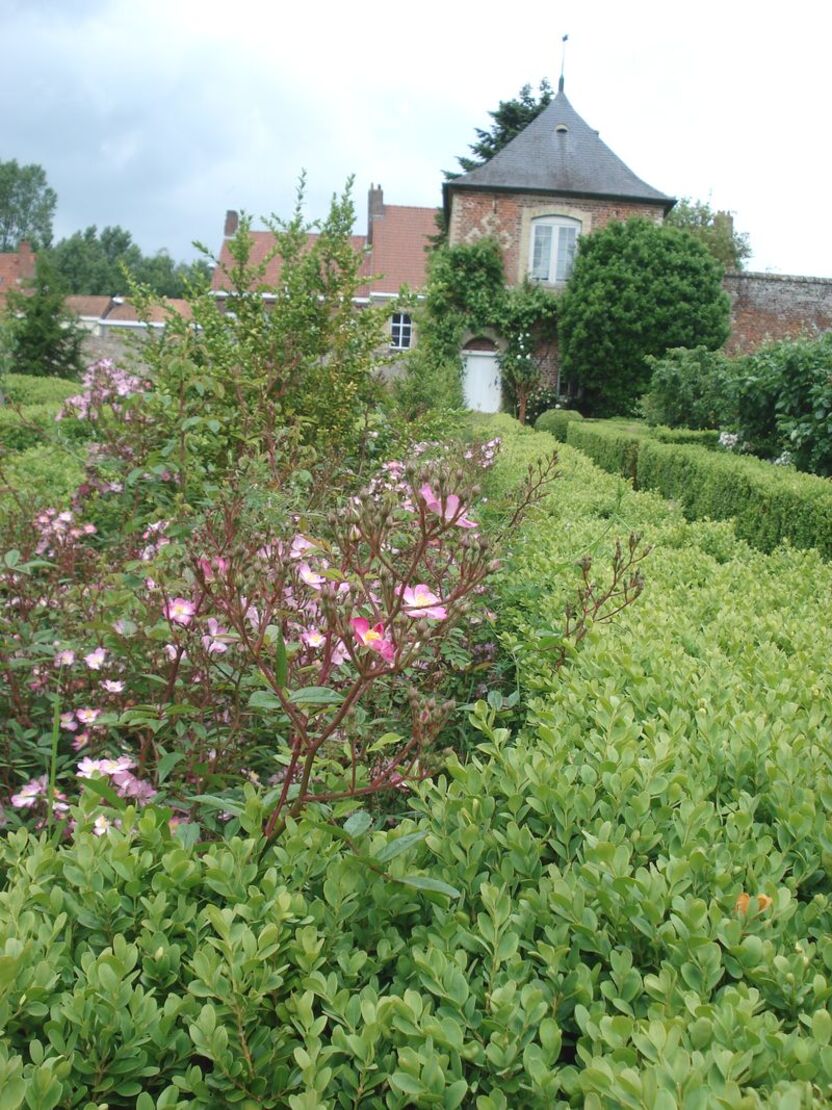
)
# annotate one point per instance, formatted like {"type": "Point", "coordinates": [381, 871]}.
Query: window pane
{"type": "Point", "coordinates": [567, 239]}
{"type": "Point", "coordinates": [542, 252]}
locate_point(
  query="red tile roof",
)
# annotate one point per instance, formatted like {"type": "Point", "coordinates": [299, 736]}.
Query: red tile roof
{"type": "Point", "coordinates": [92, 306]}
{"type": "Point", "coordinates": [15, 268]}
{"type": "Point", "coordinates": [123, 311]}
{"type": "Point", "coordinates": [395, 258]}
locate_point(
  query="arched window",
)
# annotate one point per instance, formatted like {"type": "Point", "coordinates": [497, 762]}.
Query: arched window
{"type": "Point", "coordinates": [554, 239]}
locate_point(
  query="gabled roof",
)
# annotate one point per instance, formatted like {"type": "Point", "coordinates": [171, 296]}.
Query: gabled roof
{"type": "Point", "coordinates": [395, 258]}
{"type": "Point", "coordinates": [560, 153]}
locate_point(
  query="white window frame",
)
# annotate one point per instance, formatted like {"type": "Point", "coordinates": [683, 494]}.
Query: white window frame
{"type": "Point", "coordinates": [401, 331]}
{"type": "Point", "coordinates": [555, 248]}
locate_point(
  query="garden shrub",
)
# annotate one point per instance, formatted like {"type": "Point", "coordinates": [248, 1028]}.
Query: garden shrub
{"type": "Point", "coordinates": [556, 421]}
{"type": "Point", "coordinates": [36, 477]}
{"type": "Point", "coordinates": [25, 426]}
{"type": "Point", "coordinates": [690, 388]}
{"type": "Point", "coordinates": [768, 504]}
{"type": "Point", "coordinates": [702, 437]}
{"type": "Point", "coordinates": [784, 401]}
{"type": "Point", "coordinates": [627, 903]}
{"type": "Point", "coordinates": [27, 389]}
{"type": "Point", "coordinates": [612, 446]}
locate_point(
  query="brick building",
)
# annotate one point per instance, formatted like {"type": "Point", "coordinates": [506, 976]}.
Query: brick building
{"type": "Point", "coordinates": [553, 183]}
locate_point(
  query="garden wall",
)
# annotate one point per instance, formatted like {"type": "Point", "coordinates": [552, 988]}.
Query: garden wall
{"type": "Point", "coordinates": [775, 306]}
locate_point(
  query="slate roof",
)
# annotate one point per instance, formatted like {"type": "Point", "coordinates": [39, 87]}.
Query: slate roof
{"type": "Point", "coordinates": [396, 257]}
{"type": "Point", "coordinates": [560, 153]}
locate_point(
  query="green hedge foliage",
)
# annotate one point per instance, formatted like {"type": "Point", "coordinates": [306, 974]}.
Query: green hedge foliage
{"type": "Point", "coordinates": [557, 922]}
{"type": "Point", "coordinates": [26, 389]}
{"type": "Point", "coordinates": [40, 475]}
{"type": "Point", "coordinates": [768, 504]}
{"type": "Point", "coordinates": [556, 422]}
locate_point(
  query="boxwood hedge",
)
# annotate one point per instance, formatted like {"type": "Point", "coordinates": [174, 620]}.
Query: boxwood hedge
{"type": "Point", "coordinates": [768, 504]}
{"type": "Point", "coordinates": [624, 902]}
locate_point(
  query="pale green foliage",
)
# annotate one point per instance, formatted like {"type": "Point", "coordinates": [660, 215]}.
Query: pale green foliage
{"type": "Point", "coordinates": [714, 230]}
{"type": "Point", "coordinates": [27, 206]}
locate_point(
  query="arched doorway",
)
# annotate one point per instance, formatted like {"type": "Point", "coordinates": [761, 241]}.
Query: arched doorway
{"type": "Point", "coordinates": [481, 385]}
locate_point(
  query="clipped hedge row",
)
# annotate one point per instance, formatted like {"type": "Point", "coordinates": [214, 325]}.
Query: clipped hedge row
{"type": "Point", "coordinates": [556, 422]}
{"type": "Point", "coordinates": [768, 504]}
{"type": "Point", "coordinates": [562, 921]}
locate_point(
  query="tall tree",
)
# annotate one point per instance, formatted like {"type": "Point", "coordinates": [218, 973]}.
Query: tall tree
{"type": "Point", "coordinates": [510, 118]}
{"type": "Point", "coordinates": [714, 230]}
{"type": "Point", "coordinates": [636, 289]}
{"type": "Point", "coordinates": [93, 262]}
{"type": "Point", "coordinates": [27, 206]}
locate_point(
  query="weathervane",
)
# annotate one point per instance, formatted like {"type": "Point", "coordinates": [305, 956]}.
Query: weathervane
{"type": "Point", "coordinates": [564, 41]}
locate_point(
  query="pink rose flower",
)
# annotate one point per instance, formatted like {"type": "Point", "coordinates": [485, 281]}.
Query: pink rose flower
{"type": "Point", "coordinates": [419, 601]}
{"type": "Point", "coordinates": [179, 611]}
{"type": "Point", "coordinates": [95, 659]}
{"type": "Point", "coordinates": [451, 510]}
{"type": "Point", "coordinates": [374, 638]}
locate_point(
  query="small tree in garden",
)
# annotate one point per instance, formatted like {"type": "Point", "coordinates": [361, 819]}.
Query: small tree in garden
{"type": "Point", "coordinates": [44, 338]}
{"type": "Point", "coordinates": [636, 289]}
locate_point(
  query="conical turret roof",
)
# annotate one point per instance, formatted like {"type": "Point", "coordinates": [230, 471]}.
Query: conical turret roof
{"type": "Point", "coordinates": [560, 153]}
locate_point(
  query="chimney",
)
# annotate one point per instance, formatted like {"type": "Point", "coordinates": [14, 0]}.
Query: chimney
{"type": "Point", "coordinates": [232, 222]}
{"type": "Point", "coordinates": [26, 260]}
{"type": "Point", "coordinates": [375, 209]}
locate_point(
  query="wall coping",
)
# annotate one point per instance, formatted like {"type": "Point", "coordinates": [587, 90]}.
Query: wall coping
{"type": "Point", "coordinates": [801, 279]}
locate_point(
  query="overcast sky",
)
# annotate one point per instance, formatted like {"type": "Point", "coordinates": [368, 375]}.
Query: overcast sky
{"type": "Point", "coordinates": [159, 115]}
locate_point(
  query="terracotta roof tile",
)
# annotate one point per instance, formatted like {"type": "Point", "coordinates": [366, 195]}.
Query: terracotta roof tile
{"type": "Point", "coordinates": [396, 258]}
{"type": "Point", "coordinates": [90, 306]}
{"type": "Point", "coordinates": [123, 311]}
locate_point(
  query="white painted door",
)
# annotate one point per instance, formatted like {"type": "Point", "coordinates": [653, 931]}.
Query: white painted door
{"type": "Point", "coordinates": [481, 381]}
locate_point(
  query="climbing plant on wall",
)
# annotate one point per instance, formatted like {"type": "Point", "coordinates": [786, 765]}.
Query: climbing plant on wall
{"type": "Point", "coordinates": [467, 292]}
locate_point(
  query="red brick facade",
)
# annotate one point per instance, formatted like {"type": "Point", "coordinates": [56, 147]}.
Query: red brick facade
{"type": "Point", "coordinates": [507, 217]}
{"type": "Point", "coordinates": [768, 307]}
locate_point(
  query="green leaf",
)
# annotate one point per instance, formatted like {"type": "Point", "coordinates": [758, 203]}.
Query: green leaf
{"type": "Point", "coordinates": [425, 882]}
{"type": "Point", "coordinates": [167, 763]}
{"type": "Point", "coordinates": [187, 833]}
{"type": "Point", "coordinates": [395, 847]}
{"type": "Point", "coordinates": [316, 695]}
{"type": "Point", "coordinates": [358, 823]}
{"type": "Point", "coordinates": [218, 803]}
{"type": "Point", "coordinates": [264, 699]}
{"type": "Point", "coordinates": [102, 788]}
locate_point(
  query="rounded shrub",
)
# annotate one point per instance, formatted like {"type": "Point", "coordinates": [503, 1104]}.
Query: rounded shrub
{"type": "Point", "coordinates": [556, 422]}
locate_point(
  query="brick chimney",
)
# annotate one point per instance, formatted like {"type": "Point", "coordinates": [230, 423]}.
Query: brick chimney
{"type": "Point", "coordinates": [375, 209]}
{"type": "Point", "coordinates": [25, 261]}
{"type": "Point", "coordinates": [232, 222]}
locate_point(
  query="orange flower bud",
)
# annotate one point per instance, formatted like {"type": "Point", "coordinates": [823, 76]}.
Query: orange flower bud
{"type": "Point", "coordinates": [763, 902]}
{"type": "Point", "coordinates": [741, 904]}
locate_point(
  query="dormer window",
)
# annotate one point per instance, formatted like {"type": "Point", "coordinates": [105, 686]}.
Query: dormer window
{"type": "Point", "coordinates": [554, 239]}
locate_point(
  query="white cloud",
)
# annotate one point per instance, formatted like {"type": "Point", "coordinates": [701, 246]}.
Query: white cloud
{"type": "Point", "coordinates": [161, 114]}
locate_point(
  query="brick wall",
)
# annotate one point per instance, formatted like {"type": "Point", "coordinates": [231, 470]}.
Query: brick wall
{"type": "Point", "coordinates": [776, 306]}
{"type": "Point", "coordinates": [507, 217]}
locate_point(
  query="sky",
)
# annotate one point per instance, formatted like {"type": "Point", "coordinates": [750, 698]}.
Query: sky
{"type": "Point", "coordinates": [159, 115]}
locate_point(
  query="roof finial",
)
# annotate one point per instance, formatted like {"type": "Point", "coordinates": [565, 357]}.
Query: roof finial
{"type": "Point", "coordinates": [564, 41]}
